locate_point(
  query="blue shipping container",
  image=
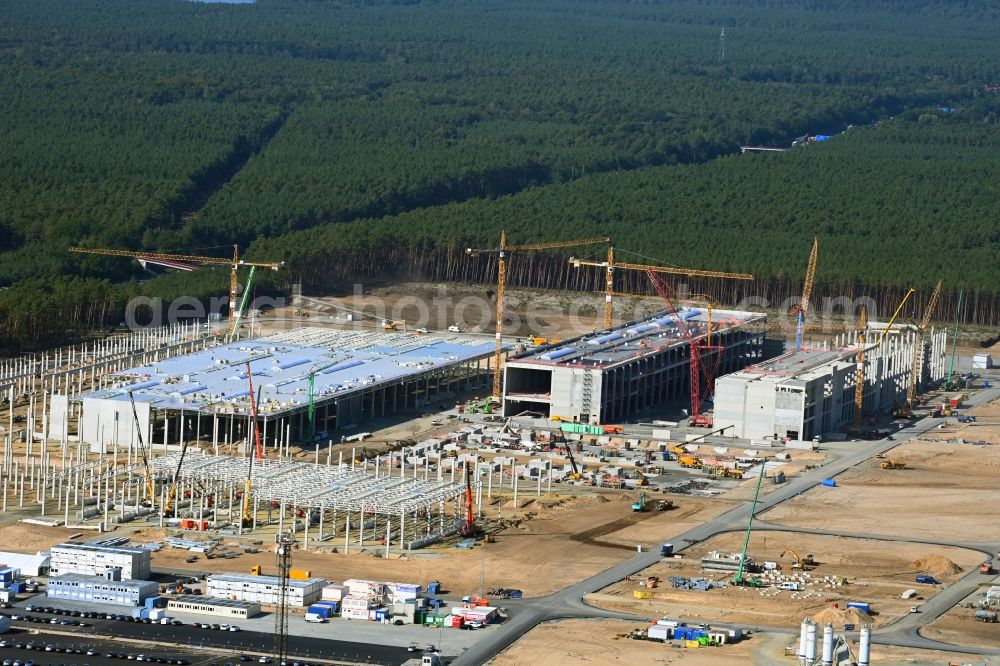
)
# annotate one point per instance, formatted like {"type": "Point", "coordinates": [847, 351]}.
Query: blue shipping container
{"type": "Point", "coordinates": [830, 482]}
{"type": "Point", "coordinates": [861, 606]}
{"type": "Point", "coordinates": [433, 587]}
{"type": "Point", "coordinates": [322, 611]}
{"type": "Point", "coordinates": [151, 602]}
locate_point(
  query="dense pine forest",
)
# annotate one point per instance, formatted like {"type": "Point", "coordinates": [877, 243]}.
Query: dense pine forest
{"type": "Point", "coordinates": [376, 139]}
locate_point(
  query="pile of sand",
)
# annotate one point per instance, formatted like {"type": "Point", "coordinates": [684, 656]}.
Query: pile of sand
{"type": "Point", "coordinates": [841, 616]}
{"type": "Point", "coordinates": [935, 564]}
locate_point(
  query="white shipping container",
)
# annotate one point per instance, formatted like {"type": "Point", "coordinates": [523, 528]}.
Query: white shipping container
{"type": "Point", "coordinates": [659, 633]}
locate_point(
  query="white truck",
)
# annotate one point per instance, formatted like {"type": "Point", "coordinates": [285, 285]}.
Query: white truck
{"type": "Point", "coordinates": [315, 618]}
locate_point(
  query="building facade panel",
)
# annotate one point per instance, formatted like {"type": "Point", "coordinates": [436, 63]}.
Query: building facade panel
{"type": "Point", "coordinates": [608, 376]}
{"type": "Point", "coordinates": [96, 560]}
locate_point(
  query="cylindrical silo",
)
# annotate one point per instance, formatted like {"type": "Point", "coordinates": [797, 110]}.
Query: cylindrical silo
{"type": "Point", "coordinates": [865, 646]}
{"type": "Point", "coordinates": [828, 644]}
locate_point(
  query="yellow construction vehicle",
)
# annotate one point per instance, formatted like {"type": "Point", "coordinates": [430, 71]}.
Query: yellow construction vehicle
{"type": "Point", "coordinates": [690, 461]}
{"type": "Point", "coordinates": [678, 450]}
{"type": "Point", "coordinates": [729, 472]}
{"type": "Point", "coordinates": [538, 342]}
{"type": "Point", "coordinates": [799, 563]}
{"type": "Point", "coordinates": [256, 570]}
{"type": "Point", "coordinates": [893, 464]}
{"type": "Point", "coordinates": [393, 325]}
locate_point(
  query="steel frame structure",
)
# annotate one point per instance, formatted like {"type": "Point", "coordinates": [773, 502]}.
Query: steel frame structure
{"type": "Point", "coordinates": [316, 486]}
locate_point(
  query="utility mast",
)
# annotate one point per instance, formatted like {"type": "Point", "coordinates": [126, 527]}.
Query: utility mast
{"type": "Point", "coordinates": [284, 557]}
{"type": "Point", "coordinates": [722, 46]}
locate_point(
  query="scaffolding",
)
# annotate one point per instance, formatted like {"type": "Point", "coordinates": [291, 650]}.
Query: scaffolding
{"type": "Point", "coordinates": [307, 485]}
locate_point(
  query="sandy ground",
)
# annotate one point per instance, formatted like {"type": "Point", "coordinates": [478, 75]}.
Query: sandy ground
{"type": "Point", "coordinates": [24, 538]}
{"type": "Point", "coordinates": [437, 306]}
{"type": "Point", "coordinates": [876, 572]}
{"type": "Point", "coordinates": [571, 642]}
{"type": "Point", "coordinates": [959, 626]}
{"type": "Point", "coordinates": [948, 490]}
{"type": "Point", "coordinates": [607, 642]}
{"type": "Point", "coordinates": [565, 540]}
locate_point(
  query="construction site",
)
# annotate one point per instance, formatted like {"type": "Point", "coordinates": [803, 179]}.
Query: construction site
{"type": "Point", "coordinates": [678, 478]}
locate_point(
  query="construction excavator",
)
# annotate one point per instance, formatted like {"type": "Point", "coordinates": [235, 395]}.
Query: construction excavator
{"type": "Point", "coordinates": [576, 475]}
{"type": "Point", "coordinates": [893, 464]}
{"type": "Point", "coordinates": [644, 504]}
{"type": "Point", "coordinates": [799, 563]}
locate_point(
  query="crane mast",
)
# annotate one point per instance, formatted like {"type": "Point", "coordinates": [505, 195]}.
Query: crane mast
{"type": "Point", "coordinates": [746, 541]}
{"type": "Point", "coordinates": [610, 265]}
{"type": "Point", "coordinates": [949, 383]}
{"type": "Point", "coordinates": [502, 258]}
{"type": "Point", "coordinates": [859, 373]}
{"type": "Point", "coordinates": [695, 347]}
{"type": "Point", "coordinates": [233, 263]}
{"type": "Point", "coordinates": [142, 450]}
{"type": "Point", "coordinates": [859, 370]}
{"type": "Point", "coordinates": [918, 349]}
{"type": "Point", "coordinates": [807, 287]}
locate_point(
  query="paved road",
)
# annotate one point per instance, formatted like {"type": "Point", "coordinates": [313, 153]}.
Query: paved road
{"type": "Point", "coordinates": [568, 602]}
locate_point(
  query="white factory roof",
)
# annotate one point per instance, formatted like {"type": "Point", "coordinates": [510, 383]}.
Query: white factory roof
{"type": "Point", "coordinates": [215, 379]}
{"type": "Point", "coordinates": [797, 365]}
{"type": "Point", "coordinates": [639, 337]}
{"type": "Point", "coordinates": [29, 565]}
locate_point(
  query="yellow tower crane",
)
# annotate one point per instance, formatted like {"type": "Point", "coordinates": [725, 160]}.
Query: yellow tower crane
{"type": "Point", "coordinates": [501, 252]}
{"type": "Point", "coordinates": [918, 353]}
{"type": "Point", "coordinates": [611, 265]}
{"type": "Point", "coordinates": [234, 263]}
{"type": "Point", "coordinates": [803, 306]}
{"type": "Point", "coordinates": [859, 372]}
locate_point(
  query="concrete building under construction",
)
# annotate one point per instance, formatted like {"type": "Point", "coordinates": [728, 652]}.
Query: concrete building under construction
{"type": "Point", "coordinates": [312, 382]}
{"type": "Point", "coordinates": [607, 376]}
{"type": "Point", "coordinates": [809, 392]}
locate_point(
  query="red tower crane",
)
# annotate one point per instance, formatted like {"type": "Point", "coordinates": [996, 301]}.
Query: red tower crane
{"type": "Point", "coordinates": [696, 347]}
